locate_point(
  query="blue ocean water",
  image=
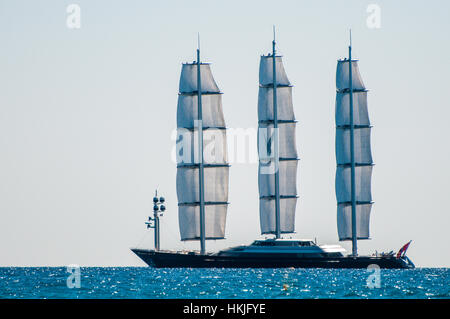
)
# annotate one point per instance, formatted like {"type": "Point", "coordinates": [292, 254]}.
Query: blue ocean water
{"type": "Point", "coordinates": [146, 282]}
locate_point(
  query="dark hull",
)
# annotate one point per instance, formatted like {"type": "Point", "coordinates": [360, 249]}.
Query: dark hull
{"type": "Point", "coordinates": [162, 259]}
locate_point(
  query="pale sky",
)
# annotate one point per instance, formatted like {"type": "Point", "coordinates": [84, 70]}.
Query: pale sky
{"type": "Point", "coordinates": [86, 118]}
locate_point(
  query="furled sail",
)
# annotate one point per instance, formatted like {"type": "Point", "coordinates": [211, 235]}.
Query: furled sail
{"type": "Point", "coordinates": [215, 167]}
{"type": "Point", "coordinates": [358, 118]}
{"type": "Point", "coordinates": [280, 158]}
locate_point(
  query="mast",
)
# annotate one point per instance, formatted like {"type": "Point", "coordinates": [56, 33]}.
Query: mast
{"type": "Point", "coordinates": [202, 179]}
{"type": "Point", "coordinates": [277, 151]}
{"type": "Point", "coordinates": [275, 127]}
{"type": "Point", "coordinates": [352, 153]}
{"type": "Point", "coordinates": [200, 150]}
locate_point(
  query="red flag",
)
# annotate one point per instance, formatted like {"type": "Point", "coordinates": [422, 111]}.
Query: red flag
{"type": "Point", "coordinates": [403, 250]}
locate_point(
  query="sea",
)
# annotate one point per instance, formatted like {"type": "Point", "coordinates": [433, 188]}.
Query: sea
{"type": "Point", "coordinates": [145, 282]}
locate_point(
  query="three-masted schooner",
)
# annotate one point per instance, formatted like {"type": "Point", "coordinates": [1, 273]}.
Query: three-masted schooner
{"type": "Point", "coordinates": [202, 177]}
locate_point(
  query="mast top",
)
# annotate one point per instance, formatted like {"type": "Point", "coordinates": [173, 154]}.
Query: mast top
{"type": "Point", "coordinates": [350, 38]}
{"type": "Point", "coordinates": [198, 48]}
{"type": "Point", "coordinates": [273, 44]}
{"type": "Point", "coordinates": [273, 33]}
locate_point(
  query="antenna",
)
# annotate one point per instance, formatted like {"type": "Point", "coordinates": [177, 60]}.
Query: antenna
{"type": "Point", "coordinates": [273, 33]}
{"type": "Point", "coordinates": [350, 37]}
{"type": "Point", "coordinates": [198, 40]}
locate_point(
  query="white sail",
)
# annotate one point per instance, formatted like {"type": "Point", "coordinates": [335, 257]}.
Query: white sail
{"type": "Point", "coordinates": [214, 146]}
{"type": "Point", "coordinates": [344, 221]}
{"type": "Point", "coordinates": [216, 184]}
{"type": "Point", "coordinates": [287, 150]}
{"type": "Point", "coordinates": [363, 176]}
{"type": "Point", "coordinates": [212, 114]}
{"type": "Point", "coordinates": [288, 180]}
{"type": "Point", "coordinates": [286, 141]}
{"type": "Point", "coordinates": [285, 107]}
{"type": "Point", "coordinates": [361, 140]}
{"type": "Point", "coordinates": [266, 71]}
{"type": "Point", "coordinates": [287, 215]}
{"type": "Point", "coordinates": [360, 112]}
{"type": "Point", "coordinates": [189, 221]}
{"type": "Point", "coordinates": [215, 166]}
{"type": "Point", "coordinates": [188, 79]}
{"type": "Point", "coordinates": [362, 153]}
{"type": "Point", "coordinates": [342, 76]}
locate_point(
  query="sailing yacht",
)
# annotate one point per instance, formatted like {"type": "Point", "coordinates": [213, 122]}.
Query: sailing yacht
{"type": "Point", "coordinates": [202, 183]}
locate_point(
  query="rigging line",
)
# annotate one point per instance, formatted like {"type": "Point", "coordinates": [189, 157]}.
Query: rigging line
{"type": "Point", "coordinates": [172, 235]}
{"type": "Point", "coordinates": [143, 237]}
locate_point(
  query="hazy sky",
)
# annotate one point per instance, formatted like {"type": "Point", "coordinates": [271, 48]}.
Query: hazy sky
{"type": "Point", "coordinates": [86, 117]}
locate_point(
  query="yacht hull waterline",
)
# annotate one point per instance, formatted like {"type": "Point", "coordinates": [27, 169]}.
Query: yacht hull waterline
{"type": "Point", "coordinates": [169, 259]}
